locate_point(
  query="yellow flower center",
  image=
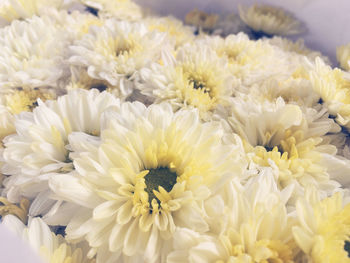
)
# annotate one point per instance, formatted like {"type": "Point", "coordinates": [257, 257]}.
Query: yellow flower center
{"type": "Point", "coordinates": [25, 100]}
{"type": "Point", "coordinates": [161, 176]}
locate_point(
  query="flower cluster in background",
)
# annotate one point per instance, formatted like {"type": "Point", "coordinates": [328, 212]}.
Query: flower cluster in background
{"type": "Point", "coordinates": [128, 137]}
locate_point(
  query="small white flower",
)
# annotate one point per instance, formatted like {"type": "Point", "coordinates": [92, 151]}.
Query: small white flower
{"type": "Point", "coordinates": [116, 51]}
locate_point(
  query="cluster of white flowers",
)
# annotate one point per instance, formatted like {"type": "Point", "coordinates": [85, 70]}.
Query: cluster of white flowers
{"type": "Point", "coordinates": [127, 137]}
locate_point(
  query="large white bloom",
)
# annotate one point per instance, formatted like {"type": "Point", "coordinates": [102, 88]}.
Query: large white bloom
{"type": "Point", "coordinates": [116, 51]}
{"type": "Point", "coordinates": [259, 229]}
{"type": "Point", "coordinates": [323, 232]}
{"type": "Point", "coordinates": [40, 148]}
{"type": "Point", "coordinates": [153, 172]}
{"type": "Point", "coordinates": [50, 247]}
{"type": "Point", "coordinates": [32, 54]}
{"type": "Point", "coordinates": [196, 78]}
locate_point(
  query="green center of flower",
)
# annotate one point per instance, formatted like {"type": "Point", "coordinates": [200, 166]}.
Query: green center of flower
{"type": "Point", "coordinates": [161, 176]}
{"type": "Point", "coordinates": [347, 247]}
{"type": "Point", "coordinates": [270, 148]}
{"type": "Point", "coordinates": [199, 85]}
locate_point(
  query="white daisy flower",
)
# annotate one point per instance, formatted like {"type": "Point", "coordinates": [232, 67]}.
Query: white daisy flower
{"type": "Point", "coordinates": [290, 140]}
{"type": "Point", "coordinates": [32, 54]}
{"type": "Point", "coordinates": [116, 51]}
{"type": "Point", "coordinates": [196, 78]}
{"type": "Point", "coordinates": [270, 20]}
{"type": "Point", "coordinates": [152, 173]}
{"type": "Point", "coordinates": [18, 9]}
{"type": "Point", "coordinates": [259, 229]}
{"type": "Point", "coordinates": [40, 148]}
{"type": "Point", "coordinates": [50, 247]}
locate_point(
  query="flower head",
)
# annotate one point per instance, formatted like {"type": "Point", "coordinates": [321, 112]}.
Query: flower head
{"type": "Point", "coordinates": [196, 78]}
{"type": "Point", "coordinates": [116, 51]}
{"type": "Point", "coordinates": [40, 146]}
{"type": "Point", "coordinates": [152, 173]}
{"type": "Point", "coordinates": [323, 232]}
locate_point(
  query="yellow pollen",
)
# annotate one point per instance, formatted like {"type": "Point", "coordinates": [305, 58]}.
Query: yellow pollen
{"type": "Point", "coordinates": [25, 100]}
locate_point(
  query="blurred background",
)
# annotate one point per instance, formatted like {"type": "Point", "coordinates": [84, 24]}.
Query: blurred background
{"type": "Point", "coordinates": [327, 21]}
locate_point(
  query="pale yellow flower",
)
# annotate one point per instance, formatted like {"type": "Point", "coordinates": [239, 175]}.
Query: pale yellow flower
{"type": "Point", "coordinates": [195, 78]}
{"type": "Point", "coordinates": [323, 232]}
{"type": "Point", "coordinates": [259, 230]}
{"type": "Point", "coordinates": [152, 173]}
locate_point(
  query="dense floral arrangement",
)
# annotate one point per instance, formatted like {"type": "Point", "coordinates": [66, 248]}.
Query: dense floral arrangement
{"type": "Point", "coordinates": [128, 137]}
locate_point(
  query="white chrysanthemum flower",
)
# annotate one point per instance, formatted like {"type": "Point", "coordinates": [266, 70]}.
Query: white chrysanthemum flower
{"type": "Point", "coordinates": [197, 78]}
{"type": "Point", "coordinates": [19, 9]}
{"type": "Point", "coordinates": [153, 172]}
{"type": "Point", "coordinates": [333, 85]}
{"type": "Point", "coordinates": [32, 54]}
{"type": "Point", "coordinates": [173, 27]}
{"type": "Point", "coordinates": [343, 56]}
{"type": "Point", "coordinates": [116, 51]}
{"type": "Point", "coordinates": [323, 232]}
{"type": "Point", "coordinates": [290, 140]}
{"type": "Point", "coordinates": [50, 247]}
{"type": "Point", "coordinates": [120, 9]}
{"type": "Point", "coordinates": [40, 148]}
{"type": "Point", "coordinates": [259, 230]}
{"type": "Point", "coordinates": [251, 61]}
{"type": "Point", "coordinates": [270, 20]}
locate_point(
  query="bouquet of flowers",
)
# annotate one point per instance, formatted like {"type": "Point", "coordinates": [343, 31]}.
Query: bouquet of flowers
{"type": "Point", "coordinates": [129, 137]}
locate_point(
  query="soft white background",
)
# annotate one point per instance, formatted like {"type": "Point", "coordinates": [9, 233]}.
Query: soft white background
{"type": "Point", "coordinates": [328, 24]}
{"type": "Point", "coordinates": [328, 21]}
